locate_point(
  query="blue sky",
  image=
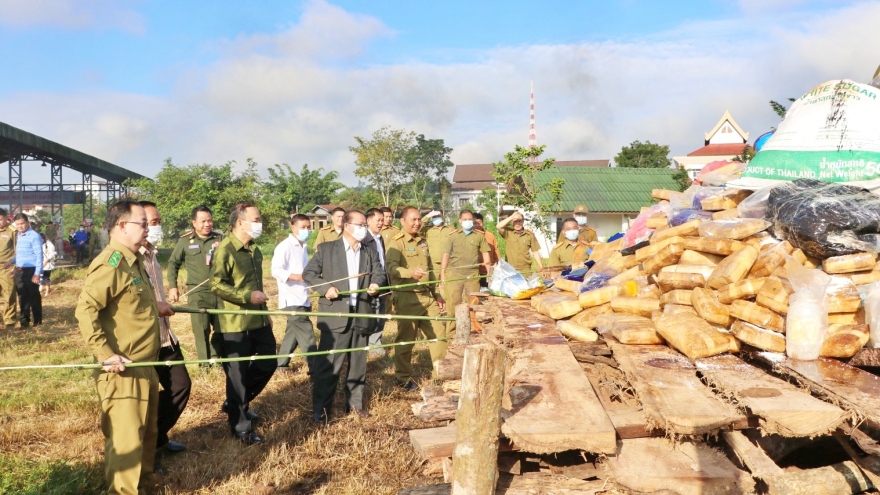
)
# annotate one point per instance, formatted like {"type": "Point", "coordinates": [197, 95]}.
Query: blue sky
{"type": "Point", "coordinates": [134, 82]}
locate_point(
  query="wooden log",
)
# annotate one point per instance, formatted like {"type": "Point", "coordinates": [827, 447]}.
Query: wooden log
{"type": "Point", "coordinates": [442, 408]}
{"type": "Point", "coordinates": [855, 390]}
{"type": "Point", "coordinates": [449, 368]}
{"type": "Point", "coordinates": [670, 392]}
{"type": "Point", "coordinates": [462, 324]}
{"type": "Point", "coordinates": [756, 460]}
{"type": "Point", "coordinates": [432, 443]}
{"type": "Point", "coordinates": [657, 465]}
{"type": "Point", "coordinates": [843, 478]}
{"type": "Point", "coordinates": [868, 357]}
{"type": "Point", "coordinates": [553, 408]}
{"type": "Point", "coordinates": [782, 407]}
{"type": "Point", "coordinates": [589, 348]}
{"type": "Point", "coordinates": [478, 421]}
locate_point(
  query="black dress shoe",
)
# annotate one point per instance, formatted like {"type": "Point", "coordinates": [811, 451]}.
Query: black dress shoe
{"type": "Point", "coordinates": [173, 447]}
{"type": "Point", "coordinates": [249, 437]}
{"type": "Point", "coordinates": [251, 416]}
{"type": "Point", "coordinates": [408, 386]}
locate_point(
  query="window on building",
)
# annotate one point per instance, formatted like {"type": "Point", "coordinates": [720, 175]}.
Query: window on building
{"type": "Point", "coordinates": [463, 202]}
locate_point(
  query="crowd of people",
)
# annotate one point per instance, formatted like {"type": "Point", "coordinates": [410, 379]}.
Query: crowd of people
{"type": "Point", "coordinates": [123, 310]}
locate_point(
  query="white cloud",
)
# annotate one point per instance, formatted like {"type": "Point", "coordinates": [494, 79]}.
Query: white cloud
{"type": "Point", "coordinates": [72, 14]}
{"type": "Point", "coordinates": [299, 96]}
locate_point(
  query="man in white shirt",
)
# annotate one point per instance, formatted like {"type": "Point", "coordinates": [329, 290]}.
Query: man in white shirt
{"type": "Point", "coordinates": [375, 223]}
{"type": "Point", "coordinates": [290, 258]}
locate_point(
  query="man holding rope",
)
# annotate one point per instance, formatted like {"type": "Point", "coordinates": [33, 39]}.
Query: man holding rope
{"type": "Point", "coordinates": [119, 320]}
{"type": "Point", "coordinates": [238, 282]}
{"type": "Point", "coordinates": [340, 265]}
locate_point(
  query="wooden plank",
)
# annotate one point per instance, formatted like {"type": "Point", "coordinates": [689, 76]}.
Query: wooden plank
{"type": "Point", "coordinates": [782, 407]}
{"type": "Point", "coordinates": [855, 390]}
{"type": "Point", "coordinates": [758, 462]}
{"type": "Point", "coordinates": [440, 408]}
{"type": "Point", "coordinates": [866, 358]}
{"type": "Point", "coordinates": [648, 465]}
{"type": "Point", "coordinates": [527, 484]}
{"type": "Point", "coordinates": [672, 396]}
{"type": "Point", "coordinates": [432, 443]}
{"type": "Point", "coordinates": [552, 406]}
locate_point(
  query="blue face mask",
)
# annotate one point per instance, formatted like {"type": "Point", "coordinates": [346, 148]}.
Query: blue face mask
{"type": "Point", "coordinates": [581, 220]}
{"type": "Point", "coordinates": [467, 225]}
{"type": "Point", "coordinates": [571, 235]}
{"type": "Point", "coordinates": [303, 235]}
{"type": "Point", "coordinates": [436, 221]}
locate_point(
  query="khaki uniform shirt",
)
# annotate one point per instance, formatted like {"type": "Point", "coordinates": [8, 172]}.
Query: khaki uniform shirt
{"type": "Point", "coordinates": [327, 234]}
{"type": "Point", "coordinates": [196, 254]}
{"type": "Point", "coordinates": [403, 252]}
{"type": "Point", "coordinates": [51, 233]}
{"type": "Point", "coordinates": [238, 271]}
{"type": "Point", "coordinates": [436, 237]}
{"type": "Point", "coordinates": [519, 248]}
{"type": "Point", "coordinates": [565, 254]}
{"type": "Point", "coordinates": [116, 310]}
{"type": "Point", "coordinates": [387, 233]}
{"type": "Point", "coordinates": [464, 250]}
{"type": "Point", "coordinates": [7, 243]}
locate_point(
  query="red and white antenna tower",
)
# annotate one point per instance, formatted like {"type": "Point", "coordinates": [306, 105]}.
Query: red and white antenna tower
{"type": "Point", "coordinates": [533, 136]}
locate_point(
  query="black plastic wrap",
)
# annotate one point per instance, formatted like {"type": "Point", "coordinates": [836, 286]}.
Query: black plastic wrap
{"type": "Point", "coordinates": [824, 219]}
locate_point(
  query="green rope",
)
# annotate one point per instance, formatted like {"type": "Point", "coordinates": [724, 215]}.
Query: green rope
{"type": "Point", "coordinates": [261, 312]}
{"type": "Point", "coordinates": [95, 366]}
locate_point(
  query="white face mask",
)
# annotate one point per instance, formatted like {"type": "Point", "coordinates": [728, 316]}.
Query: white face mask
{"type": "Point", "coordinates": [154, 234]}
{"type": "Point", "coordinates": [467, 225]}
{"type": "Point", "coordinates": [436, 221]}
{"type": "Point", "coordinates": [581, 220]}
{"type": "Point", "coordinates": [571, 235]}
{"type": "Point", "coordinates": [359, 232]}
{"type": "Point", "coordinates": [256, 230]}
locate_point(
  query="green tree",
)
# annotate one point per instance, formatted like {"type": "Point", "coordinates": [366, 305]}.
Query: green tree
{"type": "Point", "coordinates": [426, 167]}
{"type": "Point", "coordinates": [487, 201]}
{"type": "Point", "coordinates": [681, 176]}
{"type": "Point", "coordinates": [292, 191]}
{"type": "Point", "coordinates": [360, 197]}
{"type": "Point", "coordinates": [383, 158]}
{"type": "Point", "coordinates": [524, 190]}
{"type": "Point", "coordinates": [643, 155]}
{"type": "Point", "coordinates": [177, 190]}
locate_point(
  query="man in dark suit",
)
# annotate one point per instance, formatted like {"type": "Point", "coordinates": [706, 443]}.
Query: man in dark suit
{"type": "Point", "coordinates": [375, 223]}
{"type": "Point", "coordinates": [344, 257]}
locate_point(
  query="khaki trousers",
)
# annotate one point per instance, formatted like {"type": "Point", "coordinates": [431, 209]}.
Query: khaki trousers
{"type": "Point", "coordinates": [7, 296]}
{"type": "Point", "coordinates": [416, 304]}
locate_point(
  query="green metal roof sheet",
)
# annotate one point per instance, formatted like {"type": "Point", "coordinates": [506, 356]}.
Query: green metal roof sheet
{"type": "Point", "coordinates": [608, 190]}
{"type": "Point", "coordinates": [17, 139]}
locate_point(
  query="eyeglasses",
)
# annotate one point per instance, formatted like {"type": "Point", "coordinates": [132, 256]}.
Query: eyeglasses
{"type": "Point", "coordinates": [358, 224]}
{"type": "Point", "coordinates": [142, 224]}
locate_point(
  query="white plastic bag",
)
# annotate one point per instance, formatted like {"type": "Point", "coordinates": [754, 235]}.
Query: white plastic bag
{"type": "Point", "coordinates": [807, 319]}
{"type": "Point", "coordinates": [872, 314]}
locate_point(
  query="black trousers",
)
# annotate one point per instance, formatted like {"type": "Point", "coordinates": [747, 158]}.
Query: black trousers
{"type": "Point", "coordinates": [81, 253]}
{"type": "Point", "coordinates": [174, 395]}
{"type": "Point", "coordinates": [246, 379]}
{"type": "Point", "coordinates": [300, 333]}
{"type": "Point", "coordinates": [29, 298]}
{"type": "Point", "coordinates": [328, 367]}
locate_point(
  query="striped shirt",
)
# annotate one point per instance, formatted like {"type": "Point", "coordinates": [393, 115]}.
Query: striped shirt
{"type": "Point", "coordinates": [154, 270]}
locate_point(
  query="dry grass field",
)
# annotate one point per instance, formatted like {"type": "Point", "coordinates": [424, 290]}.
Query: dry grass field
{"type": "Point", "coordinates": [50, 441]}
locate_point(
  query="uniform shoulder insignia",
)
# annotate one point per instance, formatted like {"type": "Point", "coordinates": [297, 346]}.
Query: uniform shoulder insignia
{"type": "Point", "coordinates": [187, 233]}
{"type": "Point", "coordinates": [479, 230]}
{"type": "Point", "coordinates": [114, 259]}
{"type": "Point", "coordinates": [527, 231]}
{"type": "Point", "coordinates": [558, 244]}
{"type": "Point", "coordinates": [398, 236]}
{"type": "Point", "coordinates": [591, 228]}
{"type": "Point", "coordinates": [453, 231]}
{"type": "Point", "coordinates": [327, 227]}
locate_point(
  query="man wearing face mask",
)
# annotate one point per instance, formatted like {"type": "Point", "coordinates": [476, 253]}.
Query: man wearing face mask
{"type": "Point", "coordinates": [435, 232]}
{"type": "Point", "coordinates": [288, 261]}
{"type": "Point", "coordinates": [569, 250]}
{"type": "Point", "coordinates": [237, 281]}
{"type": "Point", "coordinates": [463, 250]}
{"type": "Point", "coordinates": [374, 240]}
{"type": "Point", "coordinates": [585, 232]}
{"type": "Point", "coordinates": [195, 250]}
{"type": "Point", "coordinates": [344, 258]}
{"type": "Point", "coordinates": [521, 244]}
{"type": "Point", "coordinates": [81, 243]}
{"type": "Point", "coordinates": [175, 379]}
{"type": "Point", "coordinates": [332, 231]}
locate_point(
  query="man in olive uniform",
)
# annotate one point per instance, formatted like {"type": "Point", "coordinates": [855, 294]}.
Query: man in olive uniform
{"type": "Point", "coordinates": [407, 261]}
{"type": "Point", "coordinates": [195, 250]}
{"type": "Point", "coordinates": [586, 233]}
{"type": "Point", "coordinates": [521, 245]}
{"type": "Point", "coordinates": [389, 230]}
{"type": "Point", "coordinates": [119, 321]}
{"type": "Point", "coordinates": [569, 250]}
{"type": "Point", "coordinates": [237, 281]}
{"type": "Point", "coordinates": [94, 242]}
{"type": "Point", "coordinates": [332, 231]}
{"type": "Point", "coordinates": [435, 231]}
{"type": "Point", "coordinates": [463, 250]}
{"type": "Point", "coordinates": [8, 234]}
